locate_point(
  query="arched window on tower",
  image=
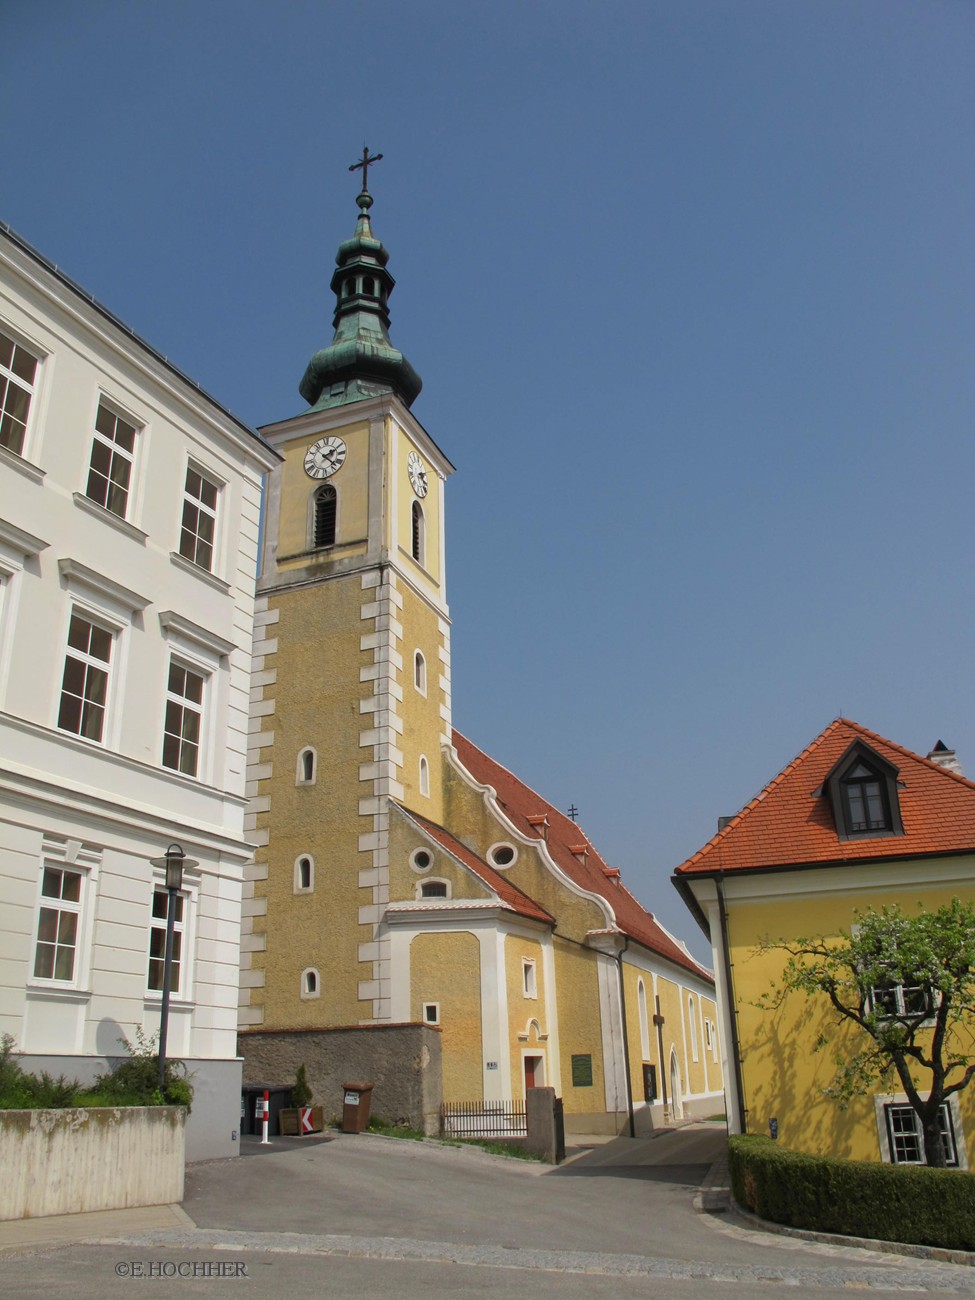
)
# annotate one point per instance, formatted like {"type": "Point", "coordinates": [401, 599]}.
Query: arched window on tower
{"type": "Point", "coordinates": [420, 673]}
{"type": "Point", "coordinates": [418, 533]}
{"type": "Point", "coordinates": [326, 504]}
{"type": "Point", "coordinates": [424, 776]}
{"type": "Point", "coordinates": [369, 286]}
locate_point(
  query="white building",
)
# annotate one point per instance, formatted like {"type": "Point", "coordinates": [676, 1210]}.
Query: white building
{"type": "Point", "coordinates": [129, 515]}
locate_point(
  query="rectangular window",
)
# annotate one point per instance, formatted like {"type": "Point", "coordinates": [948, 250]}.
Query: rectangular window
{"type": "Point", "coordinates": [157, 942]}
{"type": "Point", "coordinates": [906, 1140]}
{"type": "Point", "coordinates": [902, 1001]}
{"type": "Point", "coordinates": [58, 925]}
{"type": "Point", "coordinates": [112, 455]}
{"type": "Point", "coordinates": [84, 689]}
{"type": "Point", "coordinates": [431, 1013]}
{"type": "Point", "coordinates": [184, 720]}
{"type": "Point", "coordinates": [17, 372]}
{"type": "Point", "coordinates": [196, 538]}
{"type": "Point", "coordinates": [529, 984]}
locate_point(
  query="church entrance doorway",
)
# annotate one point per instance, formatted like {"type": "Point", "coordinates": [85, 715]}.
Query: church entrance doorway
{"type": "Point", "coordinates": [534, 1072]}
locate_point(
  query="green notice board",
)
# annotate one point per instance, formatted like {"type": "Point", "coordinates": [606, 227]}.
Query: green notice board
{"type": "Point", "coordinates": [582, 1071]}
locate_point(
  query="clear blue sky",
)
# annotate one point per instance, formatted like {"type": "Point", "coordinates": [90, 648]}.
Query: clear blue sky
{"type": "Point", "coordinates": [690, 286]}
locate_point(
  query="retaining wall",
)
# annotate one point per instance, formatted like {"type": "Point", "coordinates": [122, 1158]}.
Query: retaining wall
{"type": "Point", "coordinates": [98, 1158]}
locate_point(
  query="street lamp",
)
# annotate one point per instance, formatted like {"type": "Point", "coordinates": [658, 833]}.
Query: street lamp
{"type": "Point", "coordinates": [173, 864]}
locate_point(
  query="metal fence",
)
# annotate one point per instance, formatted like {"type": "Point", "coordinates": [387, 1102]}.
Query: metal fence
{"type": "Point", "coordinates": [483, 1119]}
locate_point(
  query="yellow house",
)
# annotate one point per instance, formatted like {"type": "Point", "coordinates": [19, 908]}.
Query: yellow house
{"type": "Point", "coordinates": [402, 876]}
{"type": "Point", "coordinates": [854, 822]}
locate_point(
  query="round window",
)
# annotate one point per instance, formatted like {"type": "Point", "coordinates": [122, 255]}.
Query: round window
{"type": "Point", "coordinates": [502, 855]}
{"type": "Point", "coordinates": [421, 860]}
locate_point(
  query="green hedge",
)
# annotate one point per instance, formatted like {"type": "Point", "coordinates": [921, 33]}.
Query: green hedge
{"type": "Point", "coordinates": [904, 1203]}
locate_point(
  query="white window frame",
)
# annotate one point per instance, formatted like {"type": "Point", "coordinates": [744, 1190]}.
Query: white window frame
{"type": "Point", "coordinates": [641, 1001]}
{"type": "Point", "coordinates": [299, 888]}
{"type": "Point", "coordinates": [432, 898]}
{"type": "Point", "coordinates": [214, 513]}
{"type": "Point", "coordinates": [417, 859]}
{"type": "Point", "coordinates": [300, 778]}
{"type": "Point", "coordinates": [94, 619]}
{"type": "Point", "coordinates": [32, 389]}
{"type": "Point", "coordinates": [309, 994]}
{"type": "Point", "coordinates": [898, 1101]}
{"type": "Point", "coordinates": [529, 978]}
{"type": "Point", "coordinates": [424, 776]}
{"type": "Point", "coordinates": [431, 1013]}
{"type": "Point", "coordinates": [180, 927]}
{"type": "Point", "coordinates": [692, 1025]}
{"type": "Point", "coordinates": [131, 458]}
{"type": "Point", "coordinates": [184, 703]}
{"type": "Point", "coordinates": [502, 844]}
{"type": "Point", "coordinates": [419, 672]}
{"type": "Point", "coordinates": [61, 906]}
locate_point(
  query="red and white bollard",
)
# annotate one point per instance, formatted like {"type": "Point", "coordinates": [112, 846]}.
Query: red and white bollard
{"type": "Point", "coordinates": [264, 1123]}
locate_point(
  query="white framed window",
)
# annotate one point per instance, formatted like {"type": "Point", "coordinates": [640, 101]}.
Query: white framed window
{"type": "Point", "coordinates": [708, 1035]}
{"type": "Point", "coordinates": [903, 1001]}
{"type": "Point", "coordinates": [902, 1139]}
{"type": "Point", "coordinates": [421, 859]}
{"type": "Point", "coordinates": [433, 889]}
{"type": "Point", "coordinates": [183, 727]}
{"type": "Point", "coordinates": [112, 460]}
{"type": "Point", "coordinates": [307, 767]}
{"type": "Point", "coordinates": [529, 979]}
{"type": "Point", "coordinates": [157, 943]}
{"type": "Point", "coordinates": [502, 855]}
{"type": "Point", "coordinates": [692, 1025]}
{"type": "Point", "coordinates": [424, 776]}
{"type": "Point", "coordinates": [304, 874]}
{"type": "Point", "coordinates": [420, 672]}
{"type": "Point", "coordinates": [56, 952]}
{"type": "Point", "coordinates": [641, 999]}
{"type": "Point", "coordinates": [18, 373]}
{"type": "Point", "coordinates": [85, 682]}
{"type": "Point", "coordinates": [431, 1013]}
{"type": "Point", "coordinates": [311, 983]}
{"type": "Point", "coordinates": [198, 530]}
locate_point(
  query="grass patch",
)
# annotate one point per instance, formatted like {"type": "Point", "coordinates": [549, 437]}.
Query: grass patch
{"type": "Point", "coordinates": [387, 1129]}
{"type": "Point", "coordinates": [513, 1150]}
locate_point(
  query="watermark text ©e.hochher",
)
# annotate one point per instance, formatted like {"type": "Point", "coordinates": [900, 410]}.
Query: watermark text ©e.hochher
{"type": "Point", "coordinates": [156, 1268]}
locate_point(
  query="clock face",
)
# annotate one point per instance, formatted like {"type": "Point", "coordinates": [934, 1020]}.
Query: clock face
{"type": "Point", "coordinates": [324, 457]}
{"type": "Point", "coordinates": [418, 475]}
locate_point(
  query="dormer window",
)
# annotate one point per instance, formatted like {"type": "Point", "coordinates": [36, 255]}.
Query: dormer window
{"type": "Point", "coordinates": [863, 793]}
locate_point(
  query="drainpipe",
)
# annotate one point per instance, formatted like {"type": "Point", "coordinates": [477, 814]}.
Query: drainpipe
{"type": "Point", "coordinates": [732, 1009]}
{"type": "Point", "coordinates": [626, 1037]}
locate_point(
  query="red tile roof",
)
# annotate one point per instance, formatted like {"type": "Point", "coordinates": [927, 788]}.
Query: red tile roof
{"type": "Point", "coordinates": [564, 839]}
{"type": "Point", "coordinates": [790, 821]}
{"type": "Point", "coordinates": [506, 891]}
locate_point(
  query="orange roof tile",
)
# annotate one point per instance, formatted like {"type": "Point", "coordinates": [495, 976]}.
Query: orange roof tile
{"type": "Point", "coordinates": [510, 894]}
{"type": "Point", "coordinates": [790, 821]}
{"type": "Point", "coordinates": [564, 841]}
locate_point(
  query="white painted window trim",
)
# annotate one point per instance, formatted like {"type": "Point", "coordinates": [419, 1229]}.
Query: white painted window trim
{"type": "Point", "coordinates": [421, 885]}
{"type": "Point", "coordinates": [310, 974]}
{"type": "Point", "coordinates": [300, 778]}
{"type": "Point", "coordinates": [433, 1007]}
{"type": "Point", "coordinates": [68, 855]}
{"type": "Point", "coordinates": [40, 356]}
{"type": "Point", "coordinates": [502, 844]}
{"type": "Point", "coordinates": [133, 493]}
{"type": "Point", "coordinates": [417, 855]}
{"type": "Point", "coordinates": [692, 1025]}
{"type": "Point", "coordinates": [191, 906]}
{"type": "Point", "coordinates": [218, 514]}
{"type": "Point", "coordinates": [529, 978]}
{"type": "Point", "coordinates": [882, 1101]}
{"type": "Point", "coordinates": [299, 888]}
{"type": "Point", "coordinates": [424, 776]}
{"type": "Point", "coordinates": [111, 728]}
{"type": "Point", "coordinates": [419, 673]}
{"type": "Point", "coordinates": [641, 998]}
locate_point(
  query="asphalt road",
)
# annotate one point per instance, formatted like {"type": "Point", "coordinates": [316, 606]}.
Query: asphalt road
{"type": "Point", "coordinates": [370, 1216]}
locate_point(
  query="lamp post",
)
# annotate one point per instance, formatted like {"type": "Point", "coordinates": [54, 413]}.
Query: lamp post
{"type": "Point", "coordinates": [173, 864]}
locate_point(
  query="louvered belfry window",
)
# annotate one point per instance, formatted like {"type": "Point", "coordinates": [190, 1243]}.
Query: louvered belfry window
{"type": "Point", "coordinates": [326, 500]}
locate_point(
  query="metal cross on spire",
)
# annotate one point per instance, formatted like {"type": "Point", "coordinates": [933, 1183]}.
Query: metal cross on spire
{"type": "Point", "coordinates": [364, 163]}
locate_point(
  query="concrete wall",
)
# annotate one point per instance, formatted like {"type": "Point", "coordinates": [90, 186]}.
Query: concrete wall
{"type": "Point", "coordinates": [213, 1125]}
{"type": "Point", "coordinates": [73, 1161]}
{"type": "Point", "coordinates": [403, 1062]}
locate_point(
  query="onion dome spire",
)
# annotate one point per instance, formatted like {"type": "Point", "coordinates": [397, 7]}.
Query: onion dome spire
{"type": "Point", "coordinates": [360, 361]}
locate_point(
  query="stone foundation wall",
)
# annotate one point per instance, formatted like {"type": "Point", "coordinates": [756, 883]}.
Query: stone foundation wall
{"type": "Point", "coordinates": [402, 1062]}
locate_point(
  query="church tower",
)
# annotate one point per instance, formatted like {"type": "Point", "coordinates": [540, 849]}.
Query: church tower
{"type": "Point", "coordinates": [351, 683]}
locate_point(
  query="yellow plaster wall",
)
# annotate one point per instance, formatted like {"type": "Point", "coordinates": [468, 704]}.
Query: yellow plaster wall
{"type": "Point", "coordinates": [316, 703]}
{"type": "Point", "coordinates": [422, 723]}
{"type": "Point", "coordinates": [428, 574]}
{"type": "Point", "coordinates": [522, 1009]}
{"type": "Point", "coordinates": [403, 880]}
{"type": "Point", "coordinates": [670, 995]}
{"type": "Point", "coordinates": [783, 1075]}
{"type": "Point", "coordinates": [467, 808]}
{"type": "Point", "coordinates": [631, 985]}
{"type": "Point", "coordinates": [351, 484]}
{"type": "Point", "coordinates": [580, 1025]}
{"type": "Point", "coordinates": [446, 968]}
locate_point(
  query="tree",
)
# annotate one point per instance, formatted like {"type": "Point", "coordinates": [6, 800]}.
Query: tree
{"type": "Point", "coordinates": [908, 982]}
